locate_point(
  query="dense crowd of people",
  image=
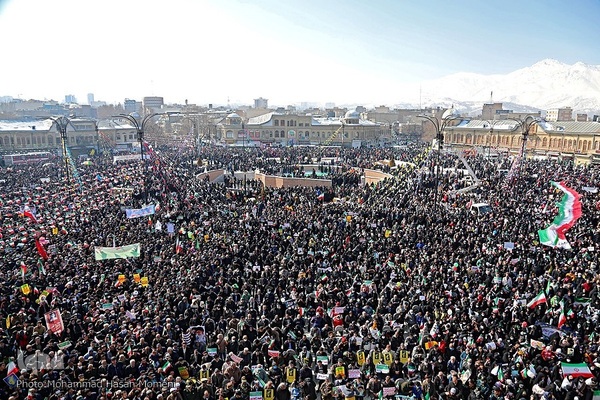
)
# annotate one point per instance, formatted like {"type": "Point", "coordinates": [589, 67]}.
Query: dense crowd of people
{"type": "Point", "coordinates": [377, 290]}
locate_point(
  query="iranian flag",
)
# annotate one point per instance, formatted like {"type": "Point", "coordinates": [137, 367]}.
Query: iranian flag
{"type": "Point", "coordinates": [166, 366]}
{"type": "Point", "coordinates": [11, 368]}
{"type": "Point", "coordinates": [178, 247]}
{"type": "Point", "coordinates": [273, 353]}
{"type": "Point", "coordinates": [23, 270]}
{"type": "Point", "coordinates": [576, 370]}
{"type": "Point", "coordinates": [537, 300]}
{"type": "Point", "coordinates": [569, 211]}
{"type": "Point", "coordinates": [562, 319]}
{"type": "Point", "coordinates": [29, 213]}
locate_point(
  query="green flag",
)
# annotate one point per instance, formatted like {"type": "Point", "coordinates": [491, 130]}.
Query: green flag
{"type": "Point", "coordinates": [107, 253]}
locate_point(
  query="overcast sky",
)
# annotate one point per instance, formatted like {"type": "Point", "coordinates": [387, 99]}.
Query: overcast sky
{"type": "Point", "coordinates": [288, 51]}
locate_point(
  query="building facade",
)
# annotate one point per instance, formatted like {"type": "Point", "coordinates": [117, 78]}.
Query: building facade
{"type": "Point", "coordinates": [261, 103]}
{"type": "Point", "coordinates": [153, 104]}
{"type": "Point", "coordinates": [567, 139]}
{"type": "Point", "coordinates": [83, 135]}
{"type": "Point", "coordinates": [559, 114]}
{"type": "Point", "coordinates": [284, 129]}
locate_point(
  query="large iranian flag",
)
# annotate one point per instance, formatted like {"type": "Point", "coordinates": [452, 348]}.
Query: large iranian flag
{"type": "Point", "coordinates": [576, 370]}
{"type": "Point", "coordinates": [569, 211]}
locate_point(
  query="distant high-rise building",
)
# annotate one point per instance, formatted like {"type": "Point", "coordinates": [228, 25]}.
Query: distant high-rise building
{"type": "Point", "coordinates": [90, 97]}
{"type": "Point", "coordinates": [261, 103]}
{"type": "Point", "coordinates": [70, 99]}
{"type": "Point", "coordinates": [559, 114]}
{"type": "Point", "coordinates": [490, 110]}
{"type": "Point", "coordinates": [153, 103]}
{"type": "Point", "coordinates": [130, 106]}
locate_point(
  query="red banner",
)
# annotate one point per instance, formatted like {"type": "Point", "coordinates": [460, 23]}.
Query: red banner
{"type": "Point", "coordinates": [54, 322]}
{"type": "Point", "coordinates": [41, 249]}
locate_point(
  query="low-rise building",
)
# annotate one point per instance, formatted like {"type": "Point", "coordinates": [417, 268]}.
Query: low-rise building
{"type": "Point", "coordinates": [567, 139]}
{"type": "Point", "coordinates": [284, 129]}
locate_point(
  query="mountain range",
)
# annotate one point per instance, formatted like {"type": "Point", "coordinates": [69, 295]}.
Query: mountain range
{"type": "Point", "coordinates": [546, 84]}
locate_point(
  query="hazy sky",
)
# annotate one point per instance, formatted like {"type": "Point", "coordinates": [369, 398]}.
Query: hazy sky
{"type": "Point", "coordinates": [288, 51]}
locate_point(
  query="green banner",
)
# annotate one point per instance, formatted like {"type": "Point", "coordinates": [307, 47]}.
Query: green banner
{"type": "Point", "coordinates": [382, 368]}
{"type": "Point", "coordinates": [108, 253]}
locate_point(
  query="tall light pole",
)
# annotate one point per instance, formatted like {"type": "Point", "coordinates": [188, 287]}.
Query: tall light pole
{"type": "Point", "coordinates": [490, 125]}
{"type": "Point", "coordinates": [524, 125]}
{"type": "Point", "coordinates": [62, 123]}
{"type": "Point", "coordinates": [440, 125]}
{"type": "Point", "coordinates": [139, 124]}
{"type": "Point", "coordinates": [195, 132]}
{"type": "Point", "coordinates": [97, 139]}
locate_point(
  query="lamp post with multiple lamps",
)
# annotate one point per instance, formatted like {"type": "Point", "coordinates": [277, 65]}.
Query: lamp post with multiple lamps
{"type": "Point", "coordinates": [488, 137]}
{"type": "Point", "coordinates": [139, 124]}
{"type": "Point", "coordinates": [524, 125]}
{"type": "Point", "coordinates": [195, 132]}
{"type": "Point", "coordinates": [62, 123]}
{"type": "Point", "coordinates": [439, 125]}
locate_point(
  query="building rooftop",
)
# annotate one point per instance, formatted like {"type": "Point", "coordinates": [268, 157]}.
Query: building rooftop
{"type": "Point", "coordinates": [560, 126]}
{"type": "Point", "coordinates": [503, 124]}
{"type": "Point", "coordinates": [40, 125]}
{"type": "Point", "coordinates": [571, 126]}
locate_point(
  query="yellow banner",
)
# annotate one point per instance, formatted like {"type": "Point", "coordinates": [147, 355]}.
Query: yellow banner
{"type": "Point", "coordinates": [387, 358]}
{"type": "Point", "coordinates": [269, 394]}
{"type": "Point", "coordinates": [25, 289]}
{"type": "Point", "coordinates": [376, 357]}
{"type": "Point", "coordinates": [404, 356]}
{"type": "Point", "coordinates": [290, 374]}
{"type": "Point", "coordinates": [204, 374]}
{"type": "Point", "coordinates": [360, 358]}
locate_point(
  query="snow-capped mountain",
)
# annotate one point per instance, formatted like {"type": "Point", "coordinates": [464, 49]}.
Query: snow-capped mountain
{"type": "Point", "coordinates": [546, 84]}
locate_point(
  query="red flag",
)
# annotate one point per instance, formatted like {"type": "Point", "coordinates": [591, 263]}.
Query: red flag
{"type": "Point", "coordinates": [41, 249]}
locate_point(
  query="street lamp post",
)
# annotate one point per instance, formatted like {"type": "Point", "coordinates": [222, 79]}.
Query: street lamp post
{"type": "Point", "coordinates": [488, 138]}
{"type": "Point", "coordinates": [524, 125]}
{"type": "Point", "coordinates": [62, 123]}
{"type": "Point", "coordinates": [97, 138]}
{"type": "Point", "coordinates": [196, 134]}
{"type": "Point", "coordinates": [140, 126]}
{"type": "Point", "coordinates": [440, 125]}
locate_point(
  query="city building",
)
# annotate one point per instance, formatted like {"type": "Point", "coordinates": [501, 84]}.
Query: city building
{"type": "Point", "coordinates": [490, 110]}
{"type": "Point", "coordinates": [261, 103]}
{"type": "Point", "coordinates": [153, 104]}
{"type": "Point", "coordinates": [130, 106]}
{"type": "Point", "coordinates": [290, 129]}
{"type": "Point", "coordinates": [90, 98]}
{"type": "Point", "coordinates": [83, 135]}
{"type": "Point", "coordinates": [70, 99]}
{"type": "Point", "coordinates": [559, 114]}
{"type": "Point", "coordinates": [579, 141]}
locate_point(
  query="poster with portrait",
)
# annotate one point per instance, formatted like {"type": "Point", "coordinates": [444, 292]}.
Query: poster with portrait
{"type": "Point", "coordinates": [54, 322]}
